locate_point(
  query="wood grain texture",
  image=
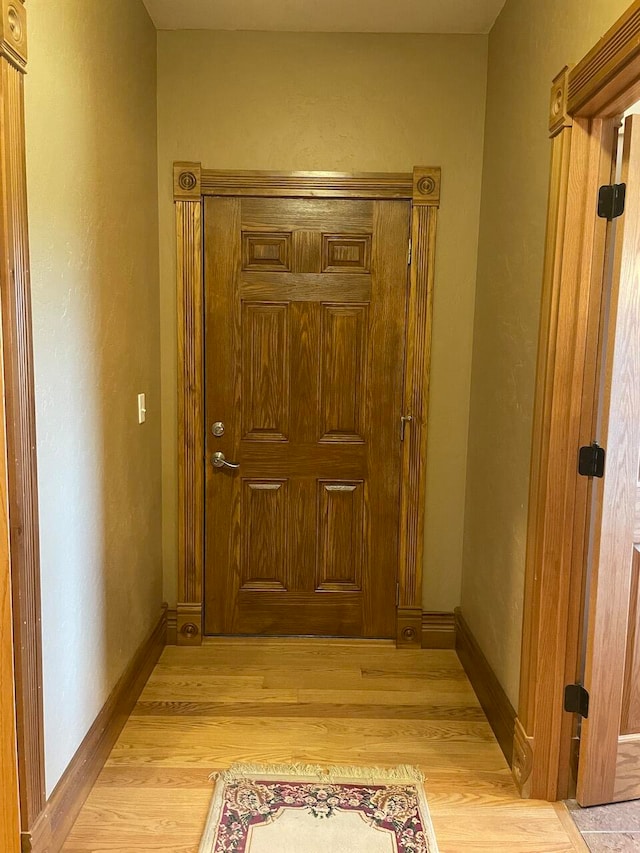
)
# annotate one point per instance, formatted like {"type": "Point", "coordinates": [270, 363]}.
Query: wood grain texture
{"type": "Point", "coordinates": [264, 559]}
{"type": "Point", "coordinates": [341, 536]}
{"type": "Point", "coordinates": [309, 218]}
{"type": "Point", "coordinates": [190, 421]}
{"type": "Point", "coordinates": [558, 114]}
{"type": "Point", "coordinates": [154, 793]}
{"type": "Point", "coordinates": [13, 217]}
{"type": "Point", "coordinates": [626, 775]}
{"type": "Point", "coordinates": [380, 185]}
{"type": "Point", "coordinates": [610, 71]}
{"type": "Point", "coordinates": [426, 185]}
{"type": "Point", "coordinates": [350, 235]}
{"type": "Point", "coordinates": [68, 796]}
{"type": "Point", "coordinates": [630, 722]}
{"type": "Point", "coordinates": [603, 84]}
{"type": "Point", "coordinates": [438, 631]}
{"type": "Point", "coordinates": [306, 287]}
{"type": "Point", "coordinates": [522, 759]}
{"type": "Point", "coordinates": [265, 370]}
{"type": "Point", "coordinates": [495, 703]}
{"type": "Point", "coordinates": [186, 182]}
{"type": "Point", "coordinates": [609, 653]}
{"type": "Point", "coordinates": [172, 627]}
{"type": "Point", "coordinates": [563, 421]}
{"type": "Point", "coordinates": [266, 251]}
{"type": "Point", "coordinates": [564, 816]}
{"type": "Point", "coordinates": [9, 794]}
{"type": "Point", "coordinates": [13, 33]}
{"type": "Point", "coordinates": [416, 388]}
{"type": "Point", "coordinates": [15, 295]}
{"type": "Point", "coordinates": [346, 253]}
{"type": "Point", "coordinates": [344, 332]}
{"type": "Point", "coordinates": [303, 538]}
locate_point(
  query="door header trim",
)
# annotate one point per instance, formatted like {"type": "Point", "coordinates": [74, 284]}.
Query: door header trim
{"type": "Point", "coordinates": [191, 181]}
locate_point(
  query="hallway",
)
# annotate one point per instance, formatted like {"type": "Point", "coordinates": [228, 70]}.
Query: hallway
{"type": "Point", "coordinates": [318, 701]}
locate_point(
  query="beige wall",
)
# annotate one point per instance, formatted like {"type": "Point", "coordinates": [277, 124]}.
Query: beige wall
{"type": "Point", "coordinates": [341, 102]}
{"type": "Point", "coordinates": [529, 44]}
{"type": "Point", "coordinates": [91, 146]}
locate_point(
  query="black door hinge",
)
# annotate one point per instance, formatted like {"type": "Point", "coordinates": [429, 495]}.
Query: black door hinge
{"type": "Point", "coordinates": [576, 700]}
{"type": "Point", "coordinates": [591, 461]}
{"type": "Point", "coordinates": [611, 201]}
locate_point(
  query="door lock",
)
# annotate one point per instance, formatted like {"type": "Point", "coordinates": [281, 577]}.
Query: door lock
{"type": "Point", "coordinates": [218, 429]}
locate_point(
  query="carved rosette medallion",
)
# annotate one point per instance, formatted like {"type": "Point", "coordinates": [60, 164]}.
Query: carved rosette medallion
{"type": "Point", "coordinates": [409, 634]}
{"type": "Point", "coordinates": [15, 24]}
{"type": "Point", "coordinates": [187, 181]}
{"type": "Point", "coordinates": [189, 630]}
{"type": "Point", "coordinates": [13, 35]}
{"type": "Point", "coordinates": [426, 185]}
{"type": "Point", "coordinates": [558, 116]}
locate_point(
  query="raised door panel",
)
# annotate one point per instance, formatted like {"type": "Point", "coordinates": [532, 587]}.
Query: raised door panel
{"type": "Point", "coordinates": [265, 371]}
{"type": "Point", "coordinates": [342, 358]}
{"type": "Point", "coordinates": [264, 532]}
{"type": "Point", "coordinates": [341, 535]}
{"type": "Point", "coordinates": [345, 253]}
{"type": "Point", "coordinates": [266, 251]}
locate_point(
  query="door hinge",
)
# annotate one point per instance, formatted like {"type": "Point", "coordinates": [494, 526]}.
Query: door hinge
{"type": "Point", "coordinates": [611, 201]}
{"type": "Point", "coordinates": [576, 700]}
{"type": "Point", "coordinates": [591, 461]}
{"type": "Point", "coordinates": [409, 253]}
{"type": "Point", "coordinates": [398, 594]}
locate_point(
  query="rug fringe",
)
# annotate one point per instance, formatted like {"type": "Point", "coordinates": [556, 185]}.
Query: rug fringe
{"type": "Point", "coordinates": [401, 773]}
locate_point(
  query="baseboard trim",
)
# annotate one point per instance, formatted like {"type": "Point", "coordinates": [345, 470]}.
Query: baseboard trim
{"type": "Point", "coordinates": [438, 631]}
{"type": "Point", "coordinates": [490, 693]}
{"type": "Point", "coordinates": [172, 627]}
{"type": "Point", "coordinates": [52, 827]}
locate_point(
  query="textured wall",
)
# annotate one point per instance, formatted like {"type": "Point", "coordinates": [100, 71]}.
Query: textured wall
{"type": "Point", "coordinates": [353, 103]}
{"type": "Point", "coordinates": [91, 146]}
{"type": "Point", "coordinates": [529, 44]}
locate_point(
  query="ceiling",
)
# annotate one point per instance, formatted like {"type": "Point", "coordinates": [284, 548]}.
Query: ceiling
{"type": "Point", "coordinates": [338, 16]}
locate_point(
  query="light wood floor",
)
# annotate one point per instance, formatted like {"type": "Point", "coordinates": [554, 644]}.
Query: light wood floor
{"type": "Point", "coordinates": [314, 701]}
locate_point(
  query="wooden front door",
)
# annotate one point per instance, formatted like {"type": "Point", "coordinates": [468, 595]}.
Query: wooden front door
{"type": "Point", "coordinates": [609, 764]}
{"type": "Point", "coordinates": [305, 307]}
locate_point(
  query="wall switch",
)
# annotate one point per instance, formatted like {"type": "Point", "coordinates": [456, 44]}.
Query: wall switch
{"type": "Point", "coordinates": [142, 408]}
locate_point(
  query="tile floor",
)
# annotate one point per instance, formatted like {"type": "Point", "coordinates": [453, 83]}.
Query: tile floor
{"type": "Point", "coordinates": [609, 829]}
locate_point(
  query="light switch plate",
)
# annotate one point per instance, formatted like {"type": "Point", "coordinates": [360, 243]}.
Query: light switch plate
{"type": "Point", "coordinates": [142, 408]}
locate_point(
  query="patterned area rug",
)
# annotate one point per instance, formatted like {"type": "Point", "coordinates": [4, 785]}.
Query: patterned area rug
{"type": "Point", "coordinates": [301, 809]}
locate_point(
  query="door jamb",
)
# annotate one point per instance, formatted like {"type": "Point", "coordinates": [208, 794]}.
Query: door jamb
{"type": "Point", "coordinates": [191, 184]}
{"type": "Point", "coordinates": [19, 542]}
{"type": "Point", "coordinates": [586, 101]}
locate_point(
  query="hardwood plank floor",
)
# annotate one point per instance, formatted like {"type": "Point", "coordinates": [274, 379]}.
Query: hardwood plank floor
{"type": "Point", "coordinates": [319, 701]}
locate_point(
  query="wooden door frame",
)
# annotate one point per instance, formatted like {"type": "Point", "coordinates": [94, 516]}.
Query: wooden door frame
{"type": "Point", "coordinates": [19, 491]}
{"type": "Point", "coordinates": [585, 101]}
{"type": "Point", "coordinates": [191, 183]}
